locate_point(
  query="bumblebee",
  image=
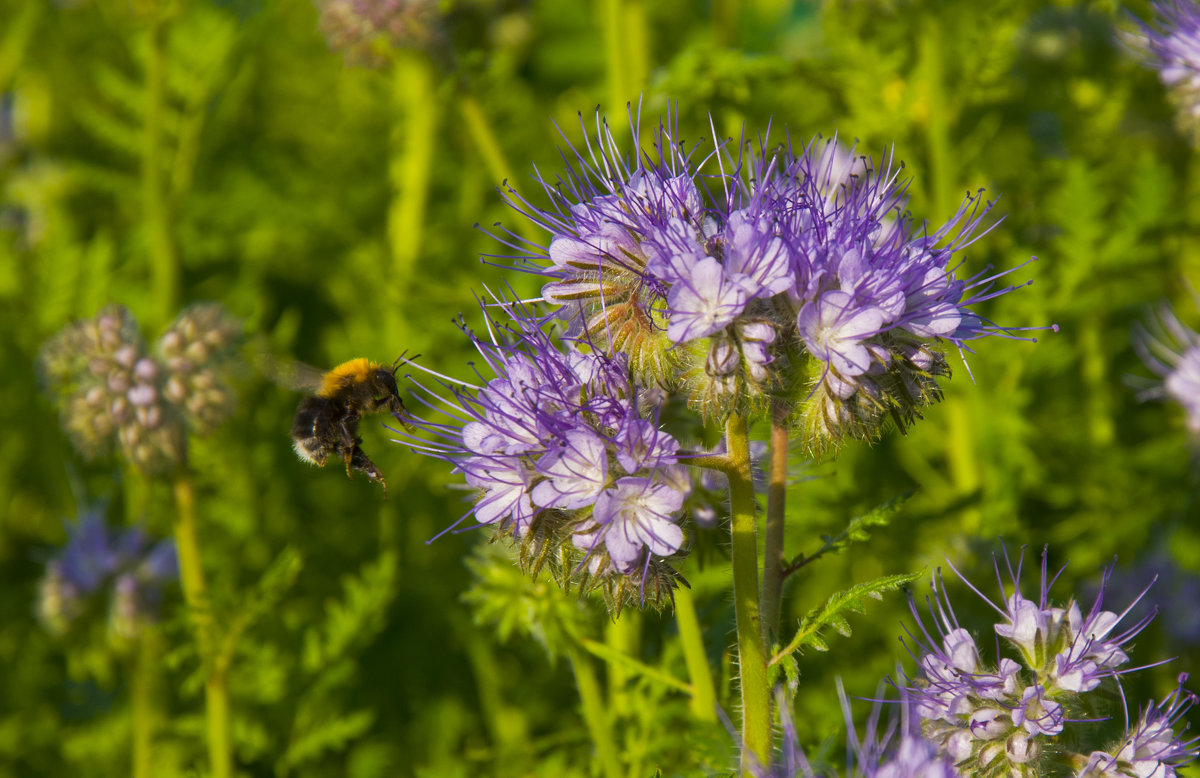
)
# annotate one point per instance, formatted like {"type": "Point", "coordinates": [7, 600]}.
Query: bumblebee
{"type": "Point", "coordinates": [326, 422]}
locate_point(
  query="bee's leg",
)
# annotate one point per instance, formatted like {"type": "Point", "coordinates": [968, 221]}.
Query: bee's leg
{"type": "Point", "coordinates": [362, 462]}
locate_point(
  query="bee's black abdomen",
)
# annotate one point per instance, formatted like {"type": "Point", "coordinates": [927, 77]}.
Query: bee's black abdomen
{"type": "Point", "coordinates": [311, 434]}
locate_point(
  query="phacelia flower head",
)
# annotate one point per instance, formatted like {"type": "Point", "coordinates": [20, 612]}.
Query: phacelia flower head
{"type": "Point", "coordinates": [1172, 47]}
{"type": "Point", "coordinates": [102, 568]}
{"type": "Point", "coordinates": [366, 31]}
{"type": "Point", "coordinates": [742, 276]}
{"type": "Point", "coordinates": [565, 460]}
{"type": "Point", "coordinates": [114, 393]}
{"type": "Point", "coordinates": [1031, 710]}
{"type": "Point", "coordinates": [1172, 351]}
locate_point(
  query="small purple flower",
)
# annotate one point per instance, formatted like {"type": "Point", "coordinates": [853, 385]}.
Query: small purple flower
{"type": "Point", "coordinates": [1172, 350]}
{"type": "Point", "coordinates": [834, 328]}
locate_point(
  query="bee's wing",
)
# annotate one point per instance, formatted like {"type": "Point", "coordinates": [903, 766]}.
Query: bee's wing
{"type": "Point", "coordinates": [289, 373]}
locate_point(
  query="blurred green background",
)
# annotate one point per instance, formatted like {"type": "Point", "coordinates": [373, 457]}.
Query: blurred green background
{"type": "Point", "coordinates": [160, 152]}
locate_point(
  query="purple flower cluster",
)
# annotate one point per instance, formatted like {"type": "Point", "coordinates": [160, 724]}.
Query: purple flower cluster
{"type": "Point", "coordinates": [769, 274]}
{"type": "Point", "coordinates": [122, 568]}
{"type": "Point", "coordinates": [112, 390]}
{"type": "Point", "coordinates": [1172, 45]}
{"type": "Point", "coordinates": [564, 459]}
{"type": "Point", "coordinates": [1172, 351]}
{"type": "Point", "coordinates": [1007, 717]}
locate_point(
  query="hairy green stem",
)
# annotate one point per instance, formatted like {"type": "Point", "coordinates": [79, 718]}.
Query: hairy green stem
{"type": "Point", "coordinates": [412, 157]}
{"type": "Point", "coordinates": [164, 267]}
{"type": "Point", "coordinates": [594, 716]}
{"type": "Point", "coordinates": [752, 660]}
{"type": "Point", "coordinates": [195, 593]}
{"type": "Point", "coordinates": [143, 689]}
{"type": "Point", "coordinates": [704, 697]}
{"type": "Point", "coordinates": [773, 561]}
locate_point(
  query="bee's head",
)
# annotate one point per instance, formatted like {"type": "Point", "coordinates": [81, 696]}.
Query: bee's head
{"type": "Point", "coordinates": [387, 379]}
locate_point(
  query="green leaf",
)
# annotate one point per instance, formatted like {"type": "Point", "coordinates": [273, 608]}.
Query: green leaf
{"type": "Point", "coordinates": [833, 613]}
{"type": "Point", "coordinates": [356, 618]}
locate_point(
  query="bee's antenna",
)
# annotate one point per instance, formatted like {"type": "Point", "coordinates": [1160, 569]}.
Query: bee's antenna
{"type": "Point", "coordinates": [402, 360]}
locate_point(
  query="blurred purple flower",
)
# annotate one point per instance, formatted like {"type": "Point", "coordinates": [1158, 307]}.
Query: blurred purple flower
{"type": "Point", "coordinates": [99, 562]}
{"type": "Point", "coordinates": [1172, 45]}
{"type": "Point", "coordinates": [1172, 351]}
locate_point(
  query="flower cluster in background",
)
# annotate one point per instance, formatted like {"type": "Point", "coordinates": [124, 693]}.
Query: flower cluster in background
{"type": "Point", "coordinates": [566, 460]}
{"type": "Point", "coordinates": [366, 30]}
{"type": "Point", "coordinates": [1172, 351]}
{"type": "Point", "coordinates": [112, 390]}
{"type": "Point", "coordinates": [762, 275]}
{"type": "Point", "coordinates": [120, 572]}
{"type": "Point", "coordinates": [1172, 45]}
{"type": "Point", "coordinates": [1043, 702]}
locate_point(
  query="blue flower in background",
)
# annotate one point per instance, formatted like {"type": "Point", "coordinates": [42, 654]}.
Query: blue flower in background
{"type": "Point", "coordinates": [122, 569]}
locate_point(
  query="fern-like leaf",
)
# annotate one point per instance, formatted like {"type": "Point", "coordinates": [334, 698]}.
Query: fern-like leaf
{"type": "Point", "coordinates": [832, 615]}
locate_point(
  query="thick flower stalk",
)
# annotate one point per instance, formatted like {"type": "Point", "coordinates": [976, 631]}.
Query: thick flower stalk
{"type": "Point", "coordinates": [1172, 351]}
{"type": "Point", "coordinates": [565, 460]}
{"type": "Point", "coordinates": [1171, 45]}
{"type": "Point", "coordinates": [742, 278]}
{"type": "Point", "coordinates": [115, 393]}
{"type": "Point", "coordinates": [1035, 709]}
{"type": "Point", "coordinates": [103, 569]}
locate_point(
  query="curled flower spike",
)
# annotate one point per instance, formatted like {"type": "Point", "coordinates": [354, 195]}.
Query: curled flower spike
{"type": "Point", "coordinates": [1171, 46]}
{"type": "Point", "coordinates": [1172, 351]}
{"type": "Point", "coordinates": [739, 277]}
{"type": "Point", "coordinates": [113, 392]}
{"type": "Point", "coordinates": [1010, 717]}
{"type": "Point", "coordinates": [365, 31]}
{"type": "Point", "coordinates": [1152, 748]}
{"type": "Point", "coordinates": [564, 460]}
{"type": "Point", "coordinates": [99, 563]}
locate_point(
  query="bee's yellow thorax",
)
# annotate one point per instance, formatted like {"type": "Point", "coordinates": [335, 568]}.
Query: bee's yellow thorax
{"type": "Point", "coordinates": [355, 371]}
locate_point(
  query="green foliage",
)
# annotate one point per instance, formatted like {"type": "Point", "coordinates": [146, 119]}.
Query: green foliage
{"type": "Point", "coordinates": [156, 154]}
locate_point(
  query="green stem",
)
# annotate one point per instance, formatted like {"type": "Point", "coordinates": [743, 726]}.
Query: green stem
{"type": "Point", "coordinates": [164, 268]}
{"type": "Point", "coordinates": [773, 561]}
{"type": "Point", "coordinates": [142, 691]}
{"type": "Point", "coordinates": [964, 465]}
{"type": "Point", "coordinates": [195, 593]}
{"type": "Point", "coordinates": [637, 46]}
{"type": "Point", "coordinates": [704, 697]}
{"type": "Point", "coordinates": [621, 636]}
{"type": "Point", "coordinates": [614, 56]}
{"type": "Point", "coordinates": [594, 716]}
{"type": "Point", "coordinates": [412, 158]}
{"type": "Point", "coordinates": [752, 660]}
{"type": "Point", "coordinates": [480, 130]}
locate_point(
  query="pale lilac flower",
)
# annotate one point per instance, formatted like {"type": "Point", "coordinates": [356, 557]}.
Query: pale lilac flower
{"type": "Point", "coordinates": [1172, 350]}
{"type": "Point", "coordinates": [1152, 749]}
